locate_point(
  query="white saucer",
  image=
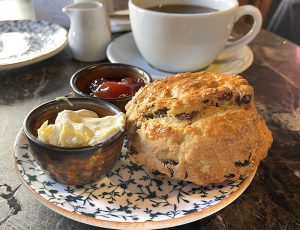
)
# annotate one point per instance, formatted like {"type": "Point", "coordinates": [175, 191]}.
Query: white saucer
{"type": "Point", "coordinates": [119, 24]}
{"type": "Point", "coordinates": [124, 50]}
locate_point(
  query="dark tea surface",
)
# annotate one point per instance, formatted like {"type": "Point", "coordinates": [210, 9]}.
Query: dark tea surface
{"type": "Point", "coordinates": [182, 9]}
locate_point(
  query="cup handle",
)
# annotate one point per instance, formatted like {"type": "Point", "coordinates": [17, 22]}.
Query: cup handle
{"type": "Point", "coordinates": [255, 13]}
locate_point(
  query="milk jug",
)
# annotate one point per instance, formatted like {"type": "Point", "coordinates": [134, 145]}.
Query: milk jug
{"type": "Point", "coordinates": [89, 32]}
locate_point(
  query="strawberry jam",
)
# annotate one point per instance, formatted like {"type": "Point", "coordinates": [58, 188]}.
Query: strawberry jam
{"type": "Point", "coordinates": [103, 88]}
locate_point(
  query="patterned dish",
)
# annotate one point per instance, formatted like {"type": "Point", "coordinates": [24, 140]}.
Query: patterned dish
{"type": "Point", "coordinates": [128, 197]}
{"type": "Point", "coordinates": [25, 42]}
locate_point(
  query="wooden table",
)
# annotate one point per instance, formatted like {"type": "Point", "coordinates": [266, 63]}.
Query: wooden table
{"type": "Point", "coordinates": [272, 201]}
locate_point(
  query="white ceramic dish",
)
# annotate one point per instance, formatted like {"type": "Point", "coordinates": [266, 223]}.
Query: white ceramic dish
{"type": "Point", "coordinates": [119, 21]}
{"type": "Point", "coordinates": [128, 198]}
{"type": "Point", "coordinates": [123, 50]}
{"type": "Point", "coordinates": [26, 42]}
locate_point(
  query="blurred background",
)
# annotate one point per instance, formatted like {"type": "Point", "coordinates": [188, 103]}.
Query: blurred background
{"type": "Point", "coordinates": [280, 16]}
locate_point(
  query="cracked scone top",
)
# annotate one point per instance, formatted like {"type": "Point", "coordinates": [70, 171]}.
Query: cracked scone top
{"type": "Point", "coordinates": [200, 127]}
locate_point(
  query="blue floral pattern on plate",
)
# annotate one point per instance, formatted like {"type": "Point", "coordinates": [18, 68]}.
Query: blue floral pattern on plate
{"type": "Point", "coordinates": [128, 195]}
{"type": "Point", "coordinates": [25, 42]}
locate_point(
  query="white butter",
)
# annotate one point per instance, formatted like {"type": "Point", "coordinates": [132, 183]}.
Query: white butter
{"type": "Point", "coordinates": [80, 128]}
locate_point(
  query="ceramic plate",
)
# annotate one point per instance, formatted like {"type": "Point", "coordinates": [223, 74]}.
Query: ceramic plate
{"type": "Point", "coordinates": [119, 21]}
{"type": "Point", "coordinates": [123, 50]}
{"type": "Point", "coordinates": [25, 42]}
{"type": "Point", "coordinates": [128, 198]}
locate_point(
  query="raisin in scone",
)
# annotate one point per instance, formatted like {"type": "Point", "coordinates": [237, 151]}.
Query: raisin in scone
{"type": "Point", "coordinates": [200, 127]}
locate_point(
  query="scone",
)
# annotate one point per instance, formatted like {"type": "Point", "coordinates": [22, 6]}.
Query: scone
{"type": "Point", "coordinates": [199, 127]}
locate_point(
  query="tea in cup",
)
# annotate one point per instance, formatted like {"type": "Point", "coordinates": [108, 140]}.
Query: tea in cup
{"type": "Point", "coordinates": [180, 36]}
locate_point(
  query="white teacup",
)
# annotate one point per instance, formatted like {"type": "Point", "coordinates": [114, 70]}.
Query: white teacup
{"type": "Point", "coordinates": [181, 42]}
